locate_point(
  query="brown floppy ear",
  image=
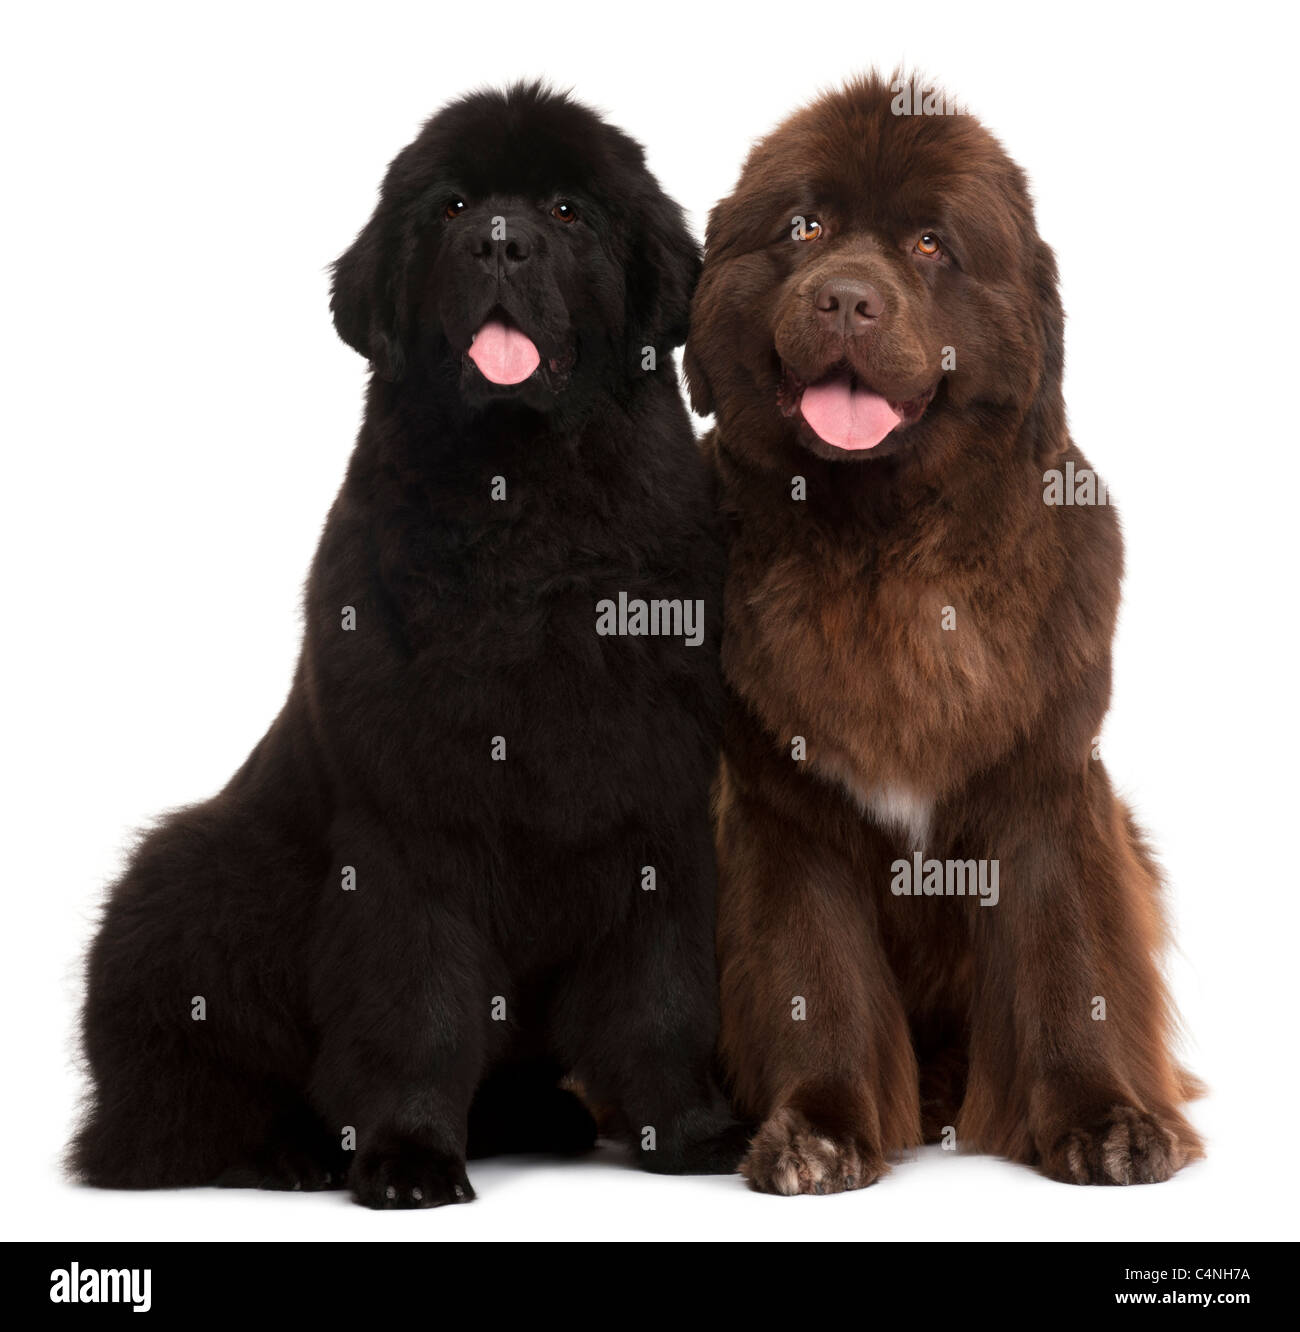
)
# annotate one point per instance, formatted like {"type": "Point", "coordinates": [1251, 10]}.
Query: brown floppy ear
{"type": "Point", "coordinates": [366, 294]}
{"type": "Point", "coordinates": [1046, 418]}
{"type": "Point", "coordinates": [697, 382]}
{"type": "Point", "coordinates": [721, 219]}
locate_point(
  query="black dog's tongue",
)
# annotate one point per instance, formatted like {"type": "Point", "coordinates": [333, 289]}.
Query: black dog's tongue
{"type": "Point", "coordinates": [503, 354]}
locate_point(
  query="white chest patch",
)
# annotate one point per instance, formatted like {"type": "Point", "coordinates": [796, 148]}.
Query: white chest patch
{"type": "Point", "coordinates": [894, 806]}
{"type": "Point", "coordinates": [902, 809]}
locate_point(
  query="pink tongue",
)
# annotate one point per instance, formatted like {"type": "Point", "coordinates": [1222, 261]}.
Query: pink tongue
{"type": "Point", "coordinates": [503, 354]}
{"type": "Point", "coordinates": [846, 415]}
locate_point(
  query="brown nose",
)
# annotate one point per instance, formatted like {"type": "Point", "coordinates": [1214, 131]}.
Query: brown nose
{"type": "Point", "coordinates": [848, 306]}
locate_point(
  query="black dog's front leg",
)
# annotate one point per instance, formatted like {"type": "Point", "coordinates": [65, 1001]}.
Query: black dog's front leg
{"type": "Point", "coordinates": [640, 1017]}
{"type": "Point", "coordinates": [678, 1119]}
{"type": "Point", "coordinates": [401, 1012]}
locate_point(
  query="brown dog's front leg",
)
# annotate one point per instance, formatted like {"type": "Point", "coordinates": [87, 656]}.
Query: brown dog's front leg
{"type": "Point", "coordinates": [1071, 1069]}
{"type": "Point", "coordinates": [814, 1039]}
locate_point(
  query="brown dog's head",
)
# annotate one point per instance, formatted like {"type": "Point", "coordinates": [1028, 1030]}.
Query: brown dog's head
{"type": "Point", "coordinates": [875, 277]}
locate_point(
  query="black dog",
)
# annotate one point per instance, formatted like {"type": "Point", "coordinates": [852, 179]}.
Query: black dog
{"type": "Point", "coordinates": [472, 855]}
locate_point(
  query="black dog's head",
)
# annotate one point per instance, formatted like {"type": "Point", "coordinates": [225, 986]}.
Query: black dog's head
{"type": "Point", "coordinates": [521, 251]}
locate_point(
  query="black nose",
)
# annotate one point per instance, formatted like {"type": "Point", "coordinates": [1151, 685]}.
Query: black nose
{"type": "Point", "coordinates": [502, 246]}
{"type": "Point", "coordinates": [848, 306]}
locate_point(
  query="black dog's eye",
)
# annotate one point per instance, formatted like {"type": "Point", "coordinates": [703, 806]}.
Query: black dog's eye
{"type": "Point", "coordinates": [453, 209]}
{"type": "Point", "coordinates": [929, 245]}
{"type": "Point", "coordinates": [564, 212]}
{"type": "Point", "coordinates": [806, 228]}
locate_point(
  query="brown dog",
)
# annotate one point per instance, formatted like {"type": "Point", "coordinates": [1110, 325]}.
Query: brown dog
{"type": "Point", "coordinates": [936, 915]}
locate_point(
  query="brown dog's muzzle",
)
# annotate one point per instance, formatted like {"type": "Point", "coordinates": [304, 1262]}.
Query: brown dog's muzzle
{"type": "Point", "coordinates": [845, 312]}
{"type": "Point", "coordinates": [852, 353]}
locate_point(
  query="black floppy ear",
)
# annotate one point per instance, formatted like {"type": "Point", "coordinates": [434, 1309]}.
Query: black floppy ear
{"type": "Point", "coordinates": [664, 270]}
{"type": "Point", "coordinates": [1046, 418]}
{"type": "Point", "coordinates": [365, 295]}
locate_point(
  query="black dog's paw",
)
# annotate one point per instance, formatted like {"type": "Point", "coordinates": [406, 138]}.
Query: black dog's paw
{"type": "Point", "coordinates": [293, 1172]}
{"type": "Point", "coordinates": [305, 1162]}
{"type": "Point", "coordinates": [720, 1153]}
{"type": "Point", "coordinates": [405, 1175]}
{"type": "Point", "coordinates": [718, 1150]}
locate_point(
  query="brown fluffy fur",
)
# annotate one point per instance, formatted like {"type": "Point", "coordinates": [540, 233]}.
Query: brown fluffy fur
{"type": "Point", "coordinates": [921, 1012]}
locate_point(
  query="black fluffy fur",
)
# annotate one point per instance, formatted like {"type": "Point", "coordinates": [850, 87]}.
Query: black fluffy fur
{"type": "Point", "coordinates": [476, 881]}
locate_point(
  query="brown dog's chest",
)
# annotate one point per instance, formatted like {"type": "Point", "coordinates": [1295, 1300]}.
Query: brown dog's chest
{"type": "Point", "coordinates": [900, 683]}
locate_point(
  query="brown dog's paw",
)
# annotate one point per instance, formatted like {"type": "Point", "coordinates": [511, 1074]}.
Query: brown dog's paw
{"type": "Point", "coordinates": [1125, 1146]}
{"type": "Point", "coordinates": [789, 1155]}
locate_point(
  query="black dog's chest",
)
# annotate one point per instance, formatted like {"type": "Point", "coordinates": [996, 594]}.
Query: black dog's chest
{"type": "Point", "coordinates": [525, 682]}
{"type": "Point", "coordinates": [504, 594]}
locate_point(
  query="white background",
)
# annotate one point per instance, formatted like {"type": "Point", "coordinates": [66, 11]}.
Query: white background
{"type": "Point", "coordinates": [178, 413]}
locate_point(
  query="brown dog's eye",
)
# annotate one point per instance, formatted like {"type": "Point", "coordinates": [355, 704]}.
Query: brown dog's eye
{"type": "Point", "coordinates": [564, 212]}
{"type": "Point", "coordinates": [928, 245]}
{"type": "Point", "coordinates": [807, 229]}
{"type": "Point", "coordinates": [454, 208]}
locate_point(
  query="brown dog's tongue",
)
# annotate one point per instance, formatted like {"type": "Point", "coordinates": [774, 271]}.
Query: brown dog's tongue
{"type": "Point", "coordinates": [503, 354]}
{"type": "Point", "coordinates": [846, 415]}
